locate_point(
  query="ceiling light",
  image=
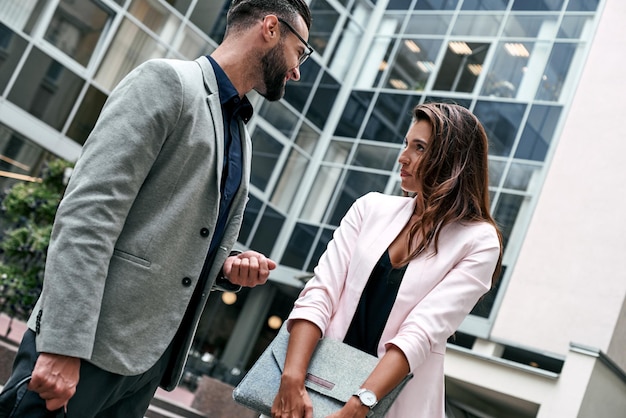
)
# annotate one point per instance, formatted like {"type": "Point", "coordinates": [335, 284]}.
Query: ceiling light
{"type": "Point", "coordinates": [475, 69]}
{"type": "Point", "coordinates": [460, 48]}
{"type": "Point", "coordinates": [398, 84]}
{"type": "Point", "coordinates": [425, 66]}
{"type": "Point", "coordinates": [516, 50]}
{"type": "Point", "coordinates": [412, 46]}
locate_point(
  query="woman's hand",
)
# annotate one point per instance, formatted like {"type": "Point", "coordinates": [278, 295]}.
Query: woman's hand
{"type": "Point", "coordinates": [352, 409]}
{"type": "Point", "coordinates": [292, 400]}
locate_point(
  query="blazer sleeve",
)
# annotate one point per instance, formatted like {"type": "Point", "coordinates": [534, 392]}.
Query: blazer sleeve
{"type": "Point", "coordinates": [438, 315]}
{"type": "Point", "coordinates": [118, 155]}
{"type": "Point", "coordinates": [319, 299]}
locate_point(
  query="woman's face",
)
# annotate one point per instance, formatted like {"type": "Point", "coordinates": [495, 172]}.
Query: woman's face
{"type": "Point", "coordinates": [415, 144]}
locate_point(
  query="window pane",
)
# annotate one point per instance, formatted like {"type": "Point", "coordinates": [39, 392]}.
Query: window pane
{"type": "Point", "coordinates": [373, 156]}
{"type": "Point", "coordinates": [496, 168]}
{"type": "Point", "coordinates": [436, 4]}
{"type": "Point", "coordinates": [87, 114]}
{"type": "Point", "coordinates": [180, 5]}
{"type": "Point", "coordinates": [428, 24]}
{"type": "Point", "coordinates": [76, 28]}
{"type": "Point", "coordinates": [538, 5]}
{"type": "Point", "coordinates": [253, 207]}
{"type": "Point", "coordinates": [307, 138]}
{"type": "Point", "coordinates": [321, 192]}
{"type": "Point", "coordinates": [511, 73]}
{"type": "Point", "coordinates": [264, 158]}
{"type": "Point", "coordinates": [522, 176]}
{"type": "Point", "coordinates": [267, 231]}
{"type": "Point", "coordinates": [354, 114]}
{"type": "Point", "coordinates": [46, 89]}
{"type": "Point", "coordinates": [323, 101]}
{"type": "Point", "coordinates": [156, 17]}
{"type": "Point", "coordinates": [538, 132]}
{"type": "Point", "coordinates": [501, 121]}
{"type": "Point", "coordinates": [18, 155]}
{"type": "Point", "coordinates": [289, 181]}
{"type": "Point", "coordinates": [355, 184]}
{"type": "Point", "coordinates": [191, 45]}
{"type": "Point", "coordinates": [412, 64]}
{"type": "Point", "coordinates": [506, 213]}
{"type": "Point", "coordinates": [297, 93]}
{"type": "Point", "coordinates": [325, 17]}
{"type": "Point", "coordinates": [299, 245]}
{"type": "Point", "coordinates": [279, 116]}
{"type": "Point", "coordinates": [338, 152]}
{"type": "Point", "coordinates": [21, 14]}
{"type": "Point", "coordinates": [484, 4]}
{"type": "Point", "coordinates": [556, 71]}
{"type": "Point", "coordinates": [477, 25]}
{"type": "Point", "coordinates": [131, 47]}
{"type": "Point", "coordinates": [11, 49]}
{"type": "Point", "coordinates": [390, 118]}
{"type": "Point", "coordinates": [327, 235]}
{"type": "Point", "coordinates": [461, 66]}
{"type": "Point", "coordinates": [210, 17]}
{"type": "Point", "coordinates": [348, 43]}
{"type": "Point", "coordinates": [573, 27]}
{"type": "Point", "coordinates": [582, 5]}
{"type": "Point", "coordinates": [531, 26]}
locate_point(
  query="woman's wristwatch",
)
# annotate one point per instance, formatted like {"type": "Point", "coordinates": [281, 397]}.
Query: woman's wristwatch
{"type": "Point", "coordinates": [367, 398]}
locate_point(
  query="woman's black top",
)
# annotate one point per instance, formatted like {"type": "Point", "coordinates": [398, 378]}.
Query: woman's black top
{"type": "Point", "coordinates": [374, 306]}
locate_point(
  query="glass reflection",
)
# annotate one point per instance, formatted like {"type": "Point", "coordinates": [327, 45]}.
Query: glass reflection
{"type": "Point", "coordinates": [354, 114]}
{"type": "Point", "coordinates": [477, 25]}
{"type": "Point", "coordinates": [131, 47]}
{"type": "Point", "coordinates": [501, 122]}
{"type": "Point", "coordinates": [375, 156]}
{"type": "Point", "coordinates": [538, 132]}
{"type": "Point", "coordinates": [158, 18]}
{"type": "Point", "coordinates": [523, 176]}
{"type": "Point", "coordinates": [77, 27]}
{"type": "Point", "coordinates": [461, 66]}
{"type": "Point", "coordinates": [412, 65]}
{"type": "Point", "coordinates": [531, 26]}
{"type": "Point", "coordinates": [325, 17]}
{"type": "Point", "coordinates": [46, 89]}
{"type": "Point", "coordinates": [323, 100]}
{"type": "Point", "coordinates": [556, 72]}
{"type": "Point", "coordinates": [12, 48]}
{"type": "Point", "coordinates": [289, 181]}
{"type": "Point", "coordinates": [354, 185]}
{"type": "Point", "coordinates": [390, 118]}
{"type": "Point", "coordinates": [267, 231]}
{"type": "Point", "coordinates": [265, 154]}
{"type": "Point", "coordinates": [88, 112]}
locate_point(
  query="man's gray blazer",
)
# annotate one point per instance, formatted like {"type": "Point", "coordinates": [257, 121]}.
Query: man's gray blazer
{"type": "Point", "coordinates": [134, 227]}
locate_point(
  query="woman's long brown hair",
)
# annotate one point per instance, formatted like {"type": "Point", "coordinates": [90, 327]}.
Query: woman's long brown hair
{"type": "Point", "coordinates": [454, 173]}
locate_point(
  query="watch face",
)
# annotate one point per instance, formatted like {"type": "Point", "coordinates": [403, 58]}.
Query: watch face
{"type": "Point", "coordinates": [368, 398]}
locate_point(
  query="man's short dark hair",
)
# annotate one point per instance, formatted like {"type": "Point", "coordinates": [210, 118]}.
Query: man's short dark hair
{"type": "Point", "coordinates": [243, 13]}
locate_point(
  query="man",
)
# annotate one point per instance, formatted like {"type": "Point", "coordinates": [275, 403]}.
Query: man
{"type": "Point", "coordinates": [148, 220]}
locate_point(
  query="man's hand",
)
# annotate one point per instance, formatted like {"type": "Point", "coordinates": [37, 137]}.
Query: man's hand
{"type": "Point", "coordinates": [248, 269]}
{"type": "Point", "coordinates": [55, 378]}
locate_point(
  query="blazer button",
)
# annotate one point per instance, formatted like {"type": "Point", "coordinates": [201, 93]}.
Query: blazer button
{"type": "Point", "coordinates": [186, 282]}
{"type": "Point", "coordinates": [204, 232]}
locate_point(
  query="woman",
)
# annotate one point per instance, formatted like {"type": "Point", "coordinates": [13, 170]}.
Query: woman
{"type": "Point", "coordinates": [401, 273]}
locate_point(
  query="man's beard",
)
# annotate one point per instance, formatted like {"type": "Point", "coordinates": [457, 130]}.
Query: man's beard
{"type": "Point", "coordinates": [274, 70]}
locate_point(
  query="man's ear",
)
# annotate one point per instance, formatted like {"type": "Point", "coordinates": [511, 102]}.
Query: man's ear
{"type": "Point", "coordinates": [270, 28]}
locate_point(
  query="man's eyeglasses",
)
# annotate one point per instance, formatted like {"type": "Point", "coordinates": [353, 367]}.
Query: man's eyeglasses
{"type": "Point", "coordinates": [309, 49]}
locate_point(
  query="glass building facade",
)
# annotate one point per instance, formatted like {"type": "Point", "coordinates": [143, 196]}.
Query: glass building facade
{"type": "Point", "coordinates": [337, 133]}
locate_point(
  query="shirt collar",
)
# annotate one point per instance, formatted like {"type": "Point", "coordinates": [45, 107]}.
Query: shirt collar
{"type": "Point", "coordinates": [229, 97]}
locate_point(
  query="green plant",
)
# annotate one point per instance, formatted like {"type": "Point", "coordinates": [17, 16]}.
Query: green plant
{"type": "Point", "coordinates": [28, 211]}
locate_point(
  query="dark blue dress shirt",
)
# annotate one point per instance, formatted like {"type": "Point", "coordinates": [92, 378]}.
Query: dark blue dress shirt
{"type": "Point", "coordinates": [233, 109]}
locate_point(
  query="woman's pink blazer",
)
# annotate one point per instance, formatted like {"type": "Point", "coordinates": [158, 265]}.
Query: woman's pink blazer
{"type": "Point", "coordinates": [436, 294]}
